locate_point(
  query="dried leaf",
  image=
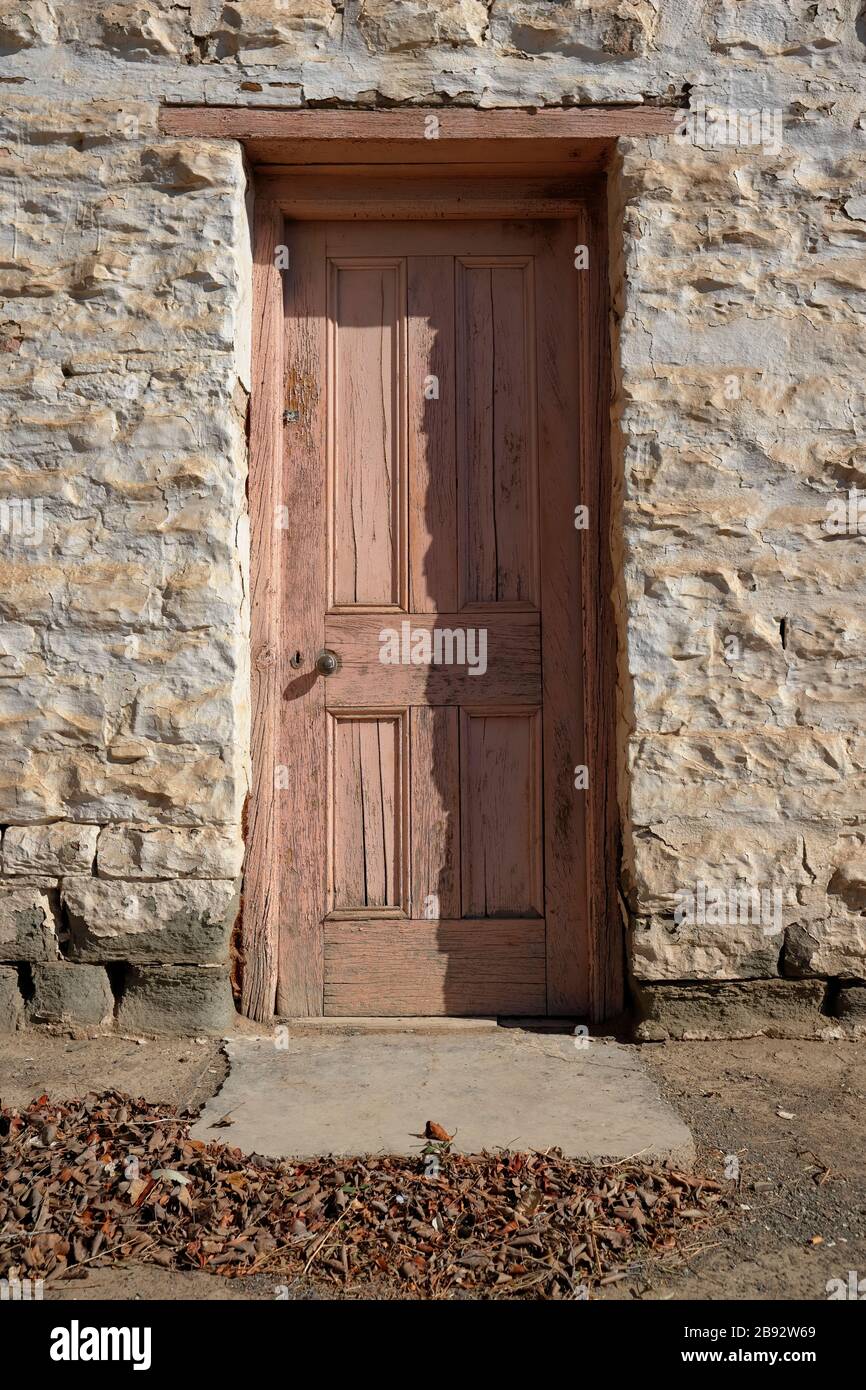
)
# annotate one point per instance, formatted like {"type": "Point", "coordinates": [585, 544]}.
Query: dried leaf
{"type": "Point", "coordinates": [434, 1131]}
{"type": "Point", "coordinates": [489, 1225]}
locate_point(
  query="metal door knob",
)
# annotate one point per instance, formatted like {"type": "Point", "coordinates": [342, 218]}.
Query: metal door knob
{"type": "Point", "coordinates": [327, 662]}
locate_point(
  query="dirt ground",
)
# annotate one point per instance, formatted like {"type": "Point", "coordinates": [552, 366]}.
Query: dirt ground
{"type": "Point", "coordinates": [780, 1122]}
{"type": "Point", "coordinates": [802, 1184]}
{"type": "Point", "coordinates": [185, 1071]}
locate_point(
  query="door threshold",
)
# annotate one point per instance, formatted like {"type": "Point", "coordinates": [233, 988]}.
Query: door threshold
{"type": "Point", "coordinates": [438, 1023]}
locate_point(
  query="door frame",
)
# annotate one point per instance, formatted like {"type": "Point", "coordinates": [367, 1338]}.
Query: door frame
{"type": "Point", "coordinates": [335, 164]}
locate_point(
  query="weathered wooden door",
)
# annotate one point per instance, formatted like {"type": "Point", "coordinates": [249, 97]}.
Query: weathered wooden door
{"type": "Point", "coordinates": [434, 855]}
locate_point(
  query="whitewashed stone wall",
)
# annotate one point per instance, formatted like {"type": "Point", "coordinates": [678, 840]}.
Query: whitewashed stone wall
{"type": "Point", "coordinates": [124, 369]}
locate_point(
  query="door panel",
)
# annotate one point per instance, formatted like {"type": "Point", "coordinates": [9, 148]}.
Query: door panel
{"type": "Point", "coordinates": [496, 430]}
{"type": "Point", "coordinates": [437, 379]}
{"type": "Point", "coordinates": [422, 967]}
{"type": "Point", "coordinates": [367, 810]}
{"type": "Point", "coordinates": [366, 319]}
{"type": "Point", "coordinates": [501, 799]}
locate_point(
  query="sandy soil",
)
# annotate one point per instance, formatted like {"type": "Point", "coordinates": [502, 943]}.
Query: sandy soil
{"type": "Point", "coordinates": [802, 1184]}
{"type": "Point", "coordinates": [184, 1071]}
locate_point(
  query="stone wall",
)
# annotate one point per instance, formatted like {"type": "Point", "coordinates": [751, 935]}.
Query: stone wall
{"type": "Point", "coordinates": [124, 371]}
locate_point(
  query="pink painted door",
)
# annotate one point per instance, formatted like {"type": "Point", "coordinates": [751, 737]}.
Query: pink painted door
{"type": "Point", "coordinates": [434, 861]}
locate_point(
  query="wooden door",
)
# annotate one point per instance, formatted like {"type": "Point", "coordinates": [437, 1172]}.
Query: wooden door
{"type": "Point", "coordinates": [433, 858]}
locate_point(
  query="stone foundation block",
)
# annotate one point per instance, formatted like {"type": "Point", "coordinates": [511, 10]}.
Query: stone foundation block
{"type": "Point", "coordinates": [26, 925]}
{"type": "Point", "coordinates": [851, 1005]}
{"type": "Point", "coordinates": [168, 923]}
{"type": "Point", "coordinates": [731, 1009]}
{"type": "Point", "coordinates": [67, 993]}
{"type": "Point", "coordinates": [176, 999]}
{"type": "Point", "coordinates": [206, 852]}
{"type": "Point", "coordinates": [11, 1000]}
{"type": "Point", "coordinates": [57, 849]}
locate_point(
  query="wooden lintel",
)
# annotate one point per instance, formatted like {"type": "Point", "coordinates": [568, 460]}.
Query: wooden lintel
{"type": "Point", "coordinates": [418, 124]}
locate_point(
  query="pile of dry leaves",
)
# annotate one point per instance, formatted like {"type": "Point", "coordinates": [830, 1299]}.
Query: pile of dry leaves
{"type": "Point", "coordinates": [107, 1178]}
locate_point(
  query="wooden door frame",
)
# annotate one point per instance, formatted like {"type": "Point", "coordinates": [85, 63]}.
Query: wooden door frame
{"type": "Point", "coordinates": [333, 164]}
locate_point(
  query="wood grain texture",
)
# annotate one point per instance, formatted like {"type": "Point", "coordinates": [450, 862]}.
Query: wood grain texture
{"type": "Point", "coordinates": [561, 338]}
{"type": "Point", "coordinates": [501, 822]}
{"type": "Point", "coordinates": [455, 238]}
{"type": "Point", "coordinates": [368, 807]}
{"type": "Point", "coordinates": [606, 945]}
{"type": "Point", "coordinates": [303, 596]}
{"type": "Point", "coordinates": [435, 803]}
{"type": "Point", "coordinates": [366, 429]}
{"type": "Point", "coordinates": [467, 746]}
{"type": "Point", "coordinates": [389, 969]}
{"type": "Point", "coordinates": [430, 380]}
{"type": "Point", "coordinates": [513, 658]}
{"type": "Point", "coordinates": [482, 158]}
{"type": "Point", "coordinates": [261, 904]}
{"type": "Point", "coordinates": [496, 472]}
{"type": "Point", "coordinates": [311, 197]}
{"type": "Point", "coordinates": [357, 127]}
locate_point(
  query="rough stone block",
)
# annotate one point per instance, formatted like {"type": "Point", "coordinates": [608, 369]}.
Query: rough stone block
{"type": "Point", "coordinates": [851, 1004]}
{"type": "Point", "coordinates": [266, 33]}
{"type": "Point", "coordinates": [176, 999]}
{"type": "Point", "coordinates": [849, 881]}
{"type": "Point", "coordinates": [26, 925]}
{"type": "Point", "coordinates": [45, 883]}
{"type": "Point", "coordinates": [776, 28]}
{"type": "Point", "coordinates": [664, 950]}
{"type": "Point", "coordinates": [187, 922]}
{"type": "Point", "coordinates": [139, 32]}
{"type": "Point", "coordinates": [674, 855]}
{"type": "Point", "coordinates": [733, 1009]}
{"type": "Point", "coordinates": [829, 946]}
{"type": "Point", "coordinates": [761, 777]}
{"type": "Point", "coordinates": [184, 783]}
{"type": "Point", "coordinates": [62, 848]}
{"type": "Point", "coordinates": [11, 1000]}
{"type": "Point", "coordinates": [414, 24]}
{"type": "Point", "coordinates": [26, 26]}
{"type": "Point", "coordinates": [67, 993]}
{"type": "Point", "coordinates": [206, 852]}
{"type": "Point", "coordinates": [597, 31]}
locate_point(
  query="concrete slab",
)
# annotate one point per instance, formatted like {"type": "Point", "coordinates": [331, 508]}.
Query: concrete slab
{"type": "Point", "coordinates": [364, 1093]}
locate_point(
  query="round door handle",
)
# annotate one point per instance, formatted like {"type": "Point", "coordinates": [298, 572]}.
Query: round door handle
{"type": "Point", "coordinates": [327, 662]}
